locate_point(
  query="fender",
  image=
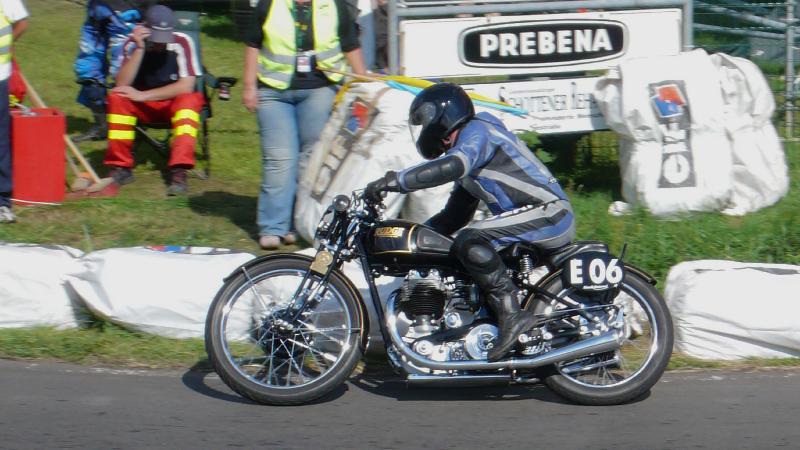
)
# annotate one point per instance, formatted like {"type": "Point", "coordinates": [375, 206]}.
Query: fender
{"type": "Point", "coordinates": [557, 273]}
{"type": "Point", "coordinates": [353, 291]}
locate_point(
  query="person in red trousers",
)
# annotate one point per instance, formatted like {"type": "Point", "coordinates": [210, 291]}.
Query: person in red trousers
{"type": "Point", "coordinates": [155, 83]}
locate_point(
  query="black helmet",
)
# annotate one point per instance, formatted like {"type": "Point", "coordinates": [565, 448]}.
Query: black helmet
{"type": "Point", "coordinates": [436, 112]}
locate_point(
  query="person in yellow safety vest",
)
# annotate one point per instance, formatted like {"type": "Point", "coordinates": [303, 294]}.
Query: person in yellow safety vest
{"type": "Point", "coordinates": [289, 48]}
{"type": "Point", "coordinates": [156, 83]}
{"type": "Point", "coordinates": [13, 22]}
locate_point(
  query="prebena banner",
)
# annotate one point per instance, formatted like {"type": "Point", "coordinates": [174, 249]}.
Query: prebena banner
{"type": "Point", "coordinates": [553, 106]}
{"type": "Point", "coordinates": [536, 44]}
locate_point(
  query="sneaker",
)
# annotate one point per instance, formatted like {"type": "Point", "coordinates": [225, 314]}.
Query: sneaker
{"type": "Point", "coordinates": [121, 175]}
{"type": "Point", "coordinates": [6, 216]}
{"type": "Point", "coordinates": [269, 242]}
{"type": "Point", "coordinates": [289, 238]}
{"type": "Point", "coordinates": [177, 182]}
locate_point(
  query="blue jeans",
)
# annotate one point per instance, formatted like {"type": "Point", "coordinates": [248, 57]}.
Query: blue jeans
{"type": "Point", "coordinates": [5, 147]}
{"type": "Point", "coordinates": [289, 123]}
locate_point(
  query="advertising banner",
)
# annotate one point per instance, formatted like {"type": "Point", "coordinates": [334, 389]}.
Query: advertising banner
{"type": "Point", "coordinates": [535, 44]}
{"type": "Point", "coordinates": [553, 106]}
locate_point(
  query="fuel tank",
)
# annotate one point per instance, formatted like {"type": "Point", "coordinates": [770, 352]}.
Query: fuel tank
{"type": "Point", "coordinates": [396, 246]}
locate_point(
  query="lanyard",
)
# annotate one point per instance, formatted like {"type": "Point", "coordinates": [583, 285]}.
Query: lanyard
{"type": "Point", "coordinates": [301, 23]}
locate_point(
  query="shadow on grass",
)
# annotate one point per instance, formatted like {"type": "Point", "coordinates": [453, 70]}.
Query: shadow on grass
{"type": "Point", "coordinates": [583, 164]}
{"type": "Point", "coordinates": [239, 209]}
{"type": "Point", "coordinates": [77, 125]}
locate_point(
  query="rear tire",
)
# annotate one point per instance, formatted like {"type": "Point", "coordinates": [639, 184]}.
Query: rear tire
{"type": "Point", "coordinates": [283, 367]}
{"type": "Point", "coordinates": [629, 372]}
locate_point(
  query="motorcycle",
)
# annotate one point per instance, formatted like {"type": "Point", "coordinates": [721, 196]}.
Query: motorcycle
{"type": "Point", "coordinates": [286, 329]}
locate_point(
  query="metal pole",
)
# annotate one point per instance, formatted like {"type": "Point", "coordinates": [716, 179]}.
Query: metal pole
{"type": "Point", "coordinates": [752, 18]}
{"type": "Point", "coordinates": [741, 32]}
{"type": "Point", "coordinates": [393, 38]}
{"type": "Point", "coordinates": [789, 94]}
{"type": "Point", "coordinates": [688, 25]}
{"type": "Point", "coordinates": [523, 7]}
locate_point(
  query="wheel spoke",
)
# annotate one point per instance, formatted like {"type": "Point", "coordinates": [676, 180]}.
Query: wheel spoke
{"type": "Point", "coordinates": [327, 356]}
{"type": "Point", "coordinates": [634, 354]}
{"type": "Point", "coordinates": [274, 354]}
{"type": "Point", "coordinates": [271, 360]}
{"type": "Point", "coordinates": [321, 331]}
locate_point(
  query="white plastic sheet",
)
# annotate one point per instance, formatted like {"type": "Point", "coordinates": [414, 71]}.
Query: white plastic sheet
{"type": "Point", "coordinates": [674, 153]}
{"type": "Point", "coordinates": [729, 310]}
{"type": "Point", "coordinates": [366, 135]}
{"type": "Point", "coordinates": [32, 286]}
{"type": "Point", "coordinates": [158, 291]}
{"type": "Point", "coordinates": [760, 174]}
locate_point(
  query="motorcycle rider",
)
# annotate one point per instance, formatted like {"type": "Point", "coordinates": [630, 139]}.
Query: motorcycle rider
{"type": "Point", "coordinates": [489, 163]}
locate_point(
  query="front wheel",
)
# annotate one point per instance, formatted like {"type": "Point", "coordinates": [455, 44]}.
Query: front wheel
{"type": "Point", "coordinates": [623, 375]}
{"type": "Point", "coordinates": [277, 334]}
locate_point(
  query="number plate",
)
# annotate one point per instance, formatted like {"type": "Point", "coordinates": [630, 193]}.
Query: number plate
{"type": "Point", "coordinates": [593, 271]}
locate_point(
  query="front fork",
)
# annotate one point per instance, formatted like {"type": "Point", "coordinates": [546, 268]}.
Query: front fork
{"type": "Point", "coordinates": [376, 298]}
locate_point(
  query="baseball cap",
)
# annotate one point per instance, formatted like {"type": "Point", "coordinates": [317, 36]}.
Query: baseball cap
{"type": "Point", "coordinates": [161, 21]}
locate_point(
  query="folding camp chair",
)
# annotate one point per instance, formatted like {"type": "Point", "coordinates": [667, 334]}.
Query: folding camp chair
{"type": "Point", "coordinates": [188, 22]}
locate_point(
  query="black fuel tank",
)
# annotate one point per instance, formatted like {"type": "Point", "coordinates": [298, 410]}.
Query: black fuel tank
{"type": "Point", "coordinates": [400, 245]}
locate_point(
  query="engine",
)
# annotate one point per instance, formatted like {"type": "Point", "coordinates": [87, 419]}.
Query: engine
{"type": "Point", "coordinates": [441, 317]}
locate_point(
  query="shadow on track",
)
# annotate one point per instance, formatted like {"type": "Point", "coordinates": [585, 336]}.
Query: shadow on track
{"type": "Point", "coordinates": [379, 379]}
{"type": "Point", "coordinates": [196, 379]}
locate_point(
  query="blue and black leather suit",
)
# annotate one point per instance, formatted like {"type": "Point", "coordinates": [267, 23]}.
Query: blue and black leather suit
{"type": "Point", "coordinates": [487, 162]}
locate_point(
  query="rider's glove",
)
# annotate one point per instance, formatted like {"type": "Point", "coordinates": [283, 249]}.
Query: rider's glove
{"type": "Point", "coordinates": [375, 190]}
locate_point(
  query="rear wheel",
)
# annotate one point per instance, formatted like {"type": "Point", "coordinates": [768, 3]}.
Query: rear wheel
{"type": "Point", "coordinates": [620, 376]}
{"type": "Point", "coordinates": [267, 348]}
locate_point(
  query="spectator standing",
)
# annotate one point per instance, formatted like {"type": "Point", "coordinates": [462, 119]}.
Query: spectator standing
{"type": "Point", "coordinates": [289, 42]}
{"type": "Point", "coordinates": [156, 83]}
{"type": "Point", "coordinates": [107, 26]}
{"type": "Point", "coordinates": [13, 22]}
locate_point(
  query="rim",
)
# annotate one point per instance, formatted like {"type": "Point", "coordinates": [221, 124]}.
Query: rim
{"type": "Point", "coordinates": [279, 355]}
{"type": "Point", "coordinates": [638, 347]}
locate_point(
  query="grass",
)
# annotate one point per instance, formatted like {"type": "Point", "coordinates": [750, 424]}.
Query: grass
{"type": "Point", "coordinates": [105, 344]}
{"type": "Point", "coordinates": [220, 211]}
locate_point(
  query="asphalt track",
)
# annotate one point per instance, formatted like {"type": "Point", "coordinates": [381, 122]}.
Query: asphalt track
{"type": "Point", "coordinates": [54, 405]}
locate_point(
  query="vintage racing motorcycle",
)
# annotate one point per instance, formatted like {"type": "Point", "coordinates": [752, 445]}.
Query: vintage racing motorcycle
{"type": "Point", "coordinates": [286, 328]}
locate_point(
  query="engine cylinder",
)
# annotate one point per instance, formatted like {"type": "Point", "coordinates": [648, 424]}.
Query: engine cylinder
{"type": "Point", "coordinates": [423, 298]}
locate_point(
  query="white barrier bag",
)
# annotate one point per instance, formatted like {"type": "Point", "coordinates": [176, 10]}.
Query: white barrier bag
{"type": "Point", "coordinates": [366, 135]}
{"type": "Point", "coordinates": [674, 153]}
{"type": "Point", "coordinates": [32, 287]}
{"type": "Point", "coordinates": [730, 310]}
{"type": "Point", "coordinates": [760, 173]}
{"type": "Point", "coordinates": [161, 290]}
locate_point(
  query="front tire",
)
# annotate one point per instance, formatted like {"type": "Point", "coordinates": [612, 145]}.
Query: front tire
{"type": "Point", "coordinates": [623, 375]}
{"type": "Point", "coordinates": [261, 355]}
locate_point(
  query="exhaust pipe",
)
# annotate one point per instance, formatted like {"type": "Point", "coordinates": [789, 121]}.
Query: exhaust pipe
{"type": "Point", "coordinates": [605, 342]}
{"type": "Point", "coordinates": [436, 381]}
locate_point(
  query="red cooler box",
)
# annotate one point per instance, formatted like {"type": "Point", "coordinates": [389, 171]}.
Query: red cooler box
{"type": "Point", "coordinates": [37, 146]}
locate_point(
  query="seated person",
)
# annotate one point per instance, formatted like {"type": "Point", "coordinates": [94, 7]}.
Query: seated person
{"type": "Point", "coordinates": [107, 26]}
{"type": "Point", "coordinates": [156, 83]}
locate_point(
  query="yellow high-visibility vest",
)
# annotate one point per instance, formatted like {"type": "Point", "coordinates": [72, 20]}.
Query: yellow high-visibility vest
{"type": "Point", "coordinates": [276, 61]}
{"type": "Point", "coordinates": [5, 38]}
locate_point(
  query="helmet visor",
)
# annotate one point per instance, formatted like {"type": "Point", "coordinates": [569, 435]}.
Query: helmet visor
{"type": "Point", "coordinates": [416, 131]}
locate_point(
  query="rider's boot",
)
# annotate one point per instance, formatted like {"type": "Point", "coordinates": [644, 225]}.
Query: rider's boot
{"type": "Point", "coordinates": [97, 132]}
{"type": "Point", "coordinates": [511, 320]}
{"type": "Point", "coordinates": [486, 267]}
